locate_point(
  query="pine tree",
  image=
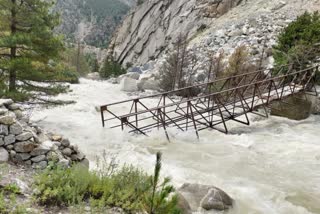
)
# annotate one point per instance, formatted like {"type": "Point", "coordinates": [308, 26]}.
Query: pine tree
{"type": "Point", "coordinates": [29, 50]}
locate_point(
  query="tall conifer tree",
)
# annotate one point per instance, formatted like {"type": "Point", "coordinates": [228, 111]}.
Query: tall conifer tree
{"type": "Point", "coordinates": [29, 50]}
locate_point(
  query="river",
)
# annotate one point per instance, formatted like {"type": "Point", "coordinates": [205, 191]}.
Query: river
{"type": "Point", "coordinates": [270, 167]}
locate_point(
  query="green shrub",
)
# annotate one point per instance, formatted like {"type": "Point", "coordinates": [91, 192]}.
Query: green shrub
{"type": "Point", "coordinates": [111, 68]}
{"type": "Point", "coordinates": [9, 204]}
{"type": "Point", "coordinates": [58, 186]}
{"type": "Point", "coordinates": [299, 43]}
{"type": "Point", "coordinates": [126, 187]}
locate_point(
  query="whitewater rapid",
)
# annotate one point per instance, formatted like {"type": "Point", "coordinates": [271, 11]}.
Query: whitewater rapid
{"type": "Point", "coordinates": [270, 167]}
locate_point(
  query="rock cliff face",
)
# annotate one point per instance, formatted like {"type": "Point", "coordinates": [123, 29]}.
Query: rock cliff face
{"type": "Point", "coordinates": [149, 30]}
{"type": "Point", "coordinates": [152, 26]}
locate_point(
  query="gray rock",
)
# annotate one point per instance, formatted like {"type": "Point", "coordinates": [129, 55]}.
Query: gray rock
{"type": "Point", "coordinates": [3, 111]}
{"type": "Point", "coordinates": [128, 85]}
{"type": "Point", "coordinates": [183, 205]}
{"type": "Point", "coordinates": [1, 141]}
{"type": "Point", "coordinates": [236, 32]}
{"type": "Point", "coordinates": [24, 136]}
{"type": "Point", "coordinates": [51, 145]}
{"type": "Point", "coordinates": [18, 113]}
{"type": "Point", "coordinates": [6, 102]}
{"type": "Point", "coordinates": [148, 66]}
{"type": "Point", "coordinates": [22, 156]}
{"type": "Point", "coordinates": [4, 155]}
{"type": "Point", "coordinates": [150, 85]}
{"type": "Point", "coordinates": [16, 129]}
{"type": "Point", "coordinates": [302, 108]}
{"type": "Point", "coordinates": [216, 199]}
{"type": "Point", "coordinates": [280, 5]}
{"type": "Point", "coordinates": [13, 106]}
{"type": "Point", "coordinates": [135, 69]}
{"type": "Point", "coordinates": [56, 144]}
{"type": "Point", "coordinates": [85, 163]}
{"type": "Point", "coordinates": [4, 130]}
{"type": "Point", "coordinates": [78, 157]}
{"type": "Point", "coordinates": [38, 159]}
{"type": "Point", "coordinates": [54, 156]}
{"type": "Point", "coordinates": [65, 142]}
{"type": "Point", "coordinates": [40, 165]}
{"type": "Point", "coordinates": [201, 77]}
{"type": "Point", "coordinates": [24, 147]}
{"type": "Point", "coordinates": [133, 75]}
{"type": "Point", "coordinates": [40, 150]}
{"type": "Point", "coordinates": [67, 152]}
{"type": "Point", "coordinates": [7, 119]}
{"type": "Point", "coordinates": [28, 162]}
{"type": "Point", "coordinates": [10, 139]}
{"type": "Point", "coordinates": [64, 162]}
{"type": "Point", "coordinates": [205, 196]}
{"type": "Point", "coordinates": [9, 147]}
{"type": "Point", "coordinates": [12, 153]}
{"type": "Point", "coordinates": [23, 186]}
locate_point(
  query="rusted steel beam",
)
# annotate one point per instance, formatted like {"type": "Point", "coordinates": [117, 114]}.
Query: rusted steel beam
{"type": "Point", "coordinates": [234, 97]}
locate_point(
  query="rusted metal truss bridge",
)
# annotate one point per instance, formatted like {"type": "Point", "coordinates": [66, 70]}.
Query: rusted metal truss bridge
{"type": "Point", "coordinates": [210, 105]}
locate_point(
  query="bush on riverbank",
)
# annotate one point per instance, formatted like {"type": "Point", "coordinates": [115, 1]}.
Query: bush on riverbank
{"type": "Point", "coordinates": [299, 43]}
{"type": "Point", "coordinates": [127, 187]}
{"type": "Point", "coordinates": [111, 68]}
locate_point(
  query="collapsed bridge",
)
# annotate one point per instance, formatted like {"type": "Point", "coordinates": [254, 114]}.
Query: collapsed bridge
{"type": "Point", "coordinates": [210, 105]}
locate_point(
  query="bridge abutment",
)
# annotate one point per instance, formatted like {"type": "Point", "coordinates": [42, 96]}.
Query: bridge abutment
{"type": "Point", "coordinates": [296, 107]}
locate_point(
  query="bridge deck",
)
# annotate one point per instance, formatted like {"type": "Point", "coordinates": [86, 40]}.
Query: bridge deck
{"type": "Point", "coordinates": [220, 101]}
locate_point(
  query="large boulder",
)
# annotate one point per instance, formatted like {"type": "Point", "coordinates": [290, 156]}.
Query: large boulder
{"type": "Point", "coordinates": [148, 85]}
{"type": "Point", "coordinates": [6, 102]}
{"type": "Point", "coordinates": [293, 107]}
{"type": "Point", "coordinates": [183, 205]}
{"type": "Point", "coordinates": [128, 85]}
{"type": "Point", "coordinates": [205, 196]}
{"type": "Point", "coordinates": [7, 119]}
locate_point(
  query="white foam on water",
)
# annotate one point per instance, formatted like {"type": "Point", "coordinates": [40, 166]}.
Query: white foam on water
{"type": "Point", "coordinates": [270, 167]}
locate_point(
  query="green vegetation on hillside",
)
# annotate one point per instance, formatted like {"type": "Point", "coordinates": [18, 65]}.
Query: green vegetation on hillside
{"type": "Point", "coordinates": [103, 16]}
{"type": "Point", "coordinates": [299, 43]}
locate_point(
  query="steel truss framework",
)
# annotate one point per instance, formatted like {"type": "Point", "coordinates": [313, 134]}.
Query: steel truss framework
{"type": "Point", "coordinates": [221, 100]}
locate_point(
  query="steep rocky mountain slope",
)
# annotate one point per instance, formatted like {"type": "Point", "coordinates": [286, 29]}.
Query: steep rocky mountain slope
{"type": "Point", "coordinates": [91, 21]}
{"type": "Point", "coordinates": [148, 32]}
